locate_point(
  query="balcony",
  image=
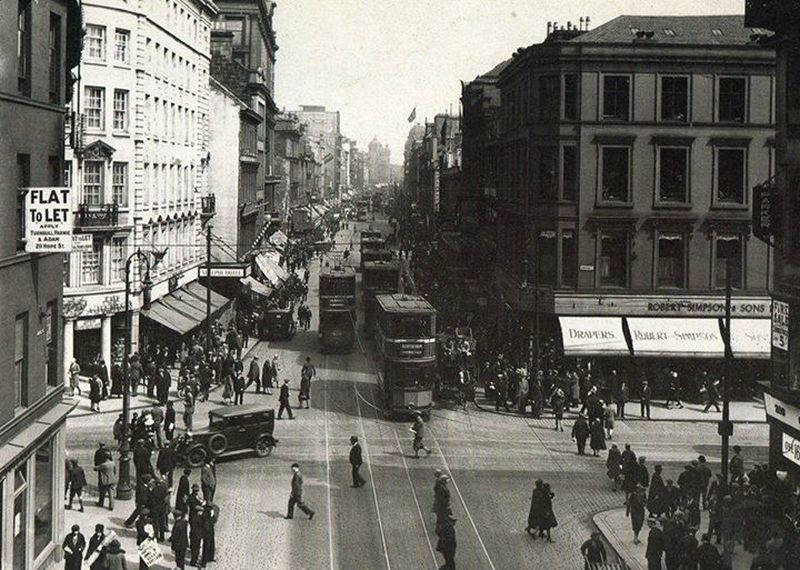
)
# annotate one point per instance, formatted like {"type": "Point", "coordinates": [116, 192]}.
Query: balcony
{"type": "Point", "coordinates": [97, 216]}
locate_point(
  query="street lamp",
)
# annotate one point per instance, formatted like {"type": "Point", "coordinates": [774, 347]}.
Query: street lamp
{"type": "Point", "coordinates": [208, 209]}
{"type": "Point", "coordinates": [124, 490]}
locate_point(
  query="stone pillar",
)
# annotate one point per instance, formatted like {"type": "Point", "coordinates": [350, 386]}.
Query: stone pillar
{"type": "Point", "coordinates": [105, 341]}
{"type": "Point", "coordinates": [69, 331]}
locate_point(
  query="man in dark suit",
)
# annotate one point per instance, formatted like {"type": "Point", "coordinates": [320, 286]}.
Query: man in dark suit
{"type": "Point", "coordinates": [254, 374]}
{"type": "Point", "coordinates": [184, 490]}
{"type": "Point", "coordinates": [356, 461]}
{"type": "Point", "coordinates": [283, 398]}
{"type": "Point", "coordinates": [179, 540]}
{"type": "Point", "coordinates": [209, 520]}
{"type": "Point", "coordinates": [73, 546]}
{"type": "Point", "coordinates": [580, 433]}
{"type": "Point", "coordinates": [268, 375]}
{"type": "Point", "coordinates": [296, 495]}
{"type": "Point", "coordinates": [195, 505]}
{"type": "Point", "coordinates": [159, 507]}
{"type": "Point", "coordinates": [96, 544]}
{"type": "Point", "coordinates": [165, 463]}
{"type": "Point", "coordinates": [447, 542]}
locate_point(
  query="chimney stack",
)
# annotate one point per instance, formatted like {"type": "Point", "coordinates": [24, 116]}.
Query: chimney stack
{"type": "Point", "coordinates": [588, 19]}
{"type": "Point", "coordinates": [549, 28]}
{"type": "Point", "coordinates": [581, 24]}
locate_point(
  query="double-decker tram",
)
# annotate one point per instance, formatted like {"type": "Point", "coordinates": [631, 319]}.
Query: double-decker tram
{"type": "Point", "coordinates": [362, 210]}
{"type": "Point", "coordinates": [337, 308]}
{"type": "Point", "coordinates": [406, 339]}
{"type": "Point", "coordinates": [373, 247]}
{"type": "Point", "coordinates": [379, 278]}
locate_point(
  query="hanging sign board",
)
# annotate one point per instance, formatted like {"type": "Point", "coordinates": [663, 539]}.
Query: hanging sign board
{"type": "Point", "coordinates": [780, 325]}
{"type": "Point", "coordinates": [48, 220]}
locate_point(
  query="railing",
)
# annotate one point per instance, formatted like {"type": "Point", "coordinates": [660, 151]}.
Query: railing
{"type": "Point", "coordinates": [97, 215]}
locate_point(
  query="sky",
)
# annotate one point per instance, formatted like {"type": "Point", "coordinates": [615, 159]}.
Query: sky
{"type": "Point", "coordinates": [376, 60]}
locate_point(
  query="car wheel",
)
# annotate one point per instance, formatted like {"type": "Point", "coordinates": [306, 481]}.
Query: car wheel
{"type": "Point", "coordinates": [264, 447]}
{"type": "Point", "coordinates": [218, 443]}
{"type": "Point", "coordinates": [196, 456]}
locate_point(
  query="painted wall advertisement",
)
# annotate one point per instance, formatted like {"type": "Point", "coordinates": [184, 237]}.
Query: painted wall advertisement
{"type": "Point", "coordinates": [48, 220]}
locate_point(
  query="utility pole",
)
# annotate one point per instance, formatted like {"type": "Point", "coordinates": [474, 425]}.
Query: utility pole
{"type": "Point", "coordinates": [725, 426]}
{"type": "Point", "coordinates": [208, 210]}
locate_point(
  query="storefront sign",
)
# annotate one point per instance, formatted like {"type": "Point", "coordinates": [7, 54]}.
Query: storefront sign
{"type": "Point", "coordinates": [780, 325]}
{"type": "Point", "coordinates": [676, 337]}
{"type": "Point", "coordinates": [82, 243]}
{"type": "Point", "coordinates": [91, 305]}
{"type": "Point", "coordinates": [87, 324]}
{"type": "Point", "coordinates": [237, 272]}
{"type": "Point", "coordinates": [48, 220]}
{"type": "Point", "coordinates": [660, 305]}
{"type": "Point", "coordinates": [791, 449]}
{"type": "Point", "coordinates": [781, 411]}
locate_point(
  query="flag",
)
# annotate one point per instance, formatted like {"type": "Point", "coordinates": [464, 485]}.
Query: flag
{"type": "Point", "coordinates": [413, 115]}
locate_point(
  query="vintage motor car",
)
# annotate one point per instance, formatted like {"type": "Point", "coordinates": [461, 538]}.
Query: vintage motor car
{"type": "Point", "coordinates": [279, 323]}
{"type": "Point", "coordinates": [230, 429]}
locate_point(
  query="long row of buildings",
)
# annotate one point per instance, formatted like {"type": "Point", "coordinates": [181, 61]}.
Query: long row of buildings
{"type": "Point", "coordinates": [155, 115]}
{"type": "Point", "coordinates": [603, 194]}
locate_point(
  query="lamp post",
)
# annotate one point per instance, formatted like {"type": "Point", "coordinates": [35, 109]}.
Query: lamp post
{"type": "Point", "coordinates": [124, 490]}
{"type": "Point", "coordinates": [208, 209]}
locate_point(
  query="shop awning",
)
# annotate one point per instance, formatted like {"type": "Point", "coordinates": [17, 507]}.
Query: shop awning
{"type": "Point", "coordinates": [694, 338]}
{"type": "Point", "coordinates": [272, 271]}
{"type": "Point", "coordinates": [185, 308]}
{"type": "Point", "coordinates": [751, 338]}
{"type": "Point", "coordinates": [256, 286]}
{"type": "Point", "coordinates": [586, 336]}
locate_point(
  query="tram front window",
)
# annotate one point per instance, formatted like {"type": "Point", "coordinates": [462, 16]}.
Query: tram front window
{"type": "Point", "coordinates": [411, 375]}
{"type": "Point", "coordinates": [337, 287]}
{"type": "Point", "coordinates": [336, 319]}
{"type": "Point", "coordinates": [411, 327]}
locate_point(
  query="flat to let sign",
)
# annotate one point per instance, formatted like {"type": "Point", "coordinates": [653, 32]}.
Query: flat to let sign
{"type": "Point", "coordinates": [780, 325]}
{"type": "Point", "coordinates": [48, 220]}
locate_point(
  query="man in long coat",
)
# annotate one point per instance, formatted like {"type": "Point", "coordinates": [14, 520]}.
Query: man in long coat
{"type": "Point", "coordinates": [580, 433]}
{"type": "Point", "coordinates": [356, 460]}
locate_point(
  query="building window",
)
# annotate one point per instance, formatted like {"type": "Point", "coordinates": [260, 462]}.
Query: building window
{"type": "Point", "coordinates": [119, 250]}
{"type": "Point", "coordinates": [571, 101]}
{"type": "Point", "coordinates": [95, 42]}
{"type": "Point", "coordinates": [730, 175]}
{"type": "Point", "coordinates": [119, 183]}
{"type": "Point", "coordinates": [21, 361]}
{"type": "Point", "coordinates": [51, 341]}
{"type": "Point", "coordinates": [732, 99]}
{"type": "Point", "coordinates": [613, 259]}
{"type": "Point", "coordinates": [24, 47]}
{"type": "Point", "coordinates": [671, 260]}
{"type": "Point", "coordinates": [54, 54]}
{"type": "Point", "coordinates": [673, 174]}
{"type": "Point", "coordinates": [20, 526]}
{"type": "Point", "coordinates": [43, 498]}
{"type": "Point", "coordinates": [616, 173]}
{"type": "Point", "coordinates": [548, 98]}
{"type": "Point", "coordinates": [728, 247]}
{"type": "Point", "coordinates": [236, 27]}
{"type": "Point", "coordinates": [120, 110]}
{"type": "Point", "coordinates": [93, 171]}
{"type": "Point", "coordinates": [569, 253]}
{"type": "Point", "coordinates": [569, 173]}
{"type": "Point", "coordinates": [548, 172]}
{"type": "Point", "coordinates": [23, 181]}
{"type": "Point", "coordinates": [122, 39]}
{"type": "Point", "coordinates": [94, 107]}
{"type": "Point", "coordinates": [91, 266]}
{"type": "Point", "coordinates": [548, 262]}
{"type": "Point", "coordinates": [675, 99]}
{"type": "Point", "coordinates": [616, 97]}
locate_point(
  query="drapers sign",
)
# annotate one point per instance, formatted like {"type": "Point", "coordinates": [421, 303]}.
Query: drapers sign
{"type": "Point", "coordinates": [48, 220]}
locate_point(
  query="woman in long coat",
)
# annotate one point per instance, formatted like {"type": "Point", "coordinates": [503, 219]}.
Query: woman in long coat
{"type": "Point", "coordinates": [536, 512]}
{"type": "Point", "coordinates": [549, 519]}
{"type": "Point", "coordinates": [614, 465]}
{"type": "Point", "coordinates": [636, 505]}
{"type": "Point", "coordinates": [597, 437]}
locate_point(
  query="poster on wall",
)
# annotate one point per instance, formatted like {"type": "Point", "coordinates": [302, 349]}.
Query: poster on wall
{"type": "Point", "coordinates": [48, 220]}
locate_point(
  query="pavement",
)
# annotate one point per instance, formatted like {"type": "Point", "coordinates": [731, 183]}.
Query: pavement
{"type": "Point", "coordinates": [751, 411]}
{"type": "Point", "coordinates": [616, 529]}
{"type": "Point", "coordinates": [493, 461]}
